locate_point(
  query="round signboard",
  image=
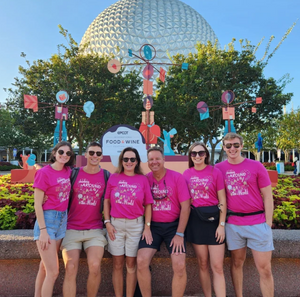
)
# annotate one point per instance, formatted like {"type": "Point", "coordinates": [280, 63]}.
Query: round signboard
{"type": "Point", "coordinates": [202, 107]}
{"type": "Point", "coordinates": [114, 66]}
{"type": "Point", "coordinates": [62, 97]}
{"type": "Point", "coordinates": [148, 71]}
{"type": "Point", "coordinates": [228, 97]}
{"type": "Point", "coordinates": [148, 102]}
{"type": "Point", "coordinates": [147, 52]}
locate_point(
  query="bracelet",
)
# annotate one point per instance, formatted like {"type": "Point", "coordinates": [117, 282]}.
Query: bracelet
{"type": "Point", "coordinates": [180, 234]}
{"type": "Point", "coordinates": [43, 228]}
{"type": "Point", "coordinates": [106, 221]}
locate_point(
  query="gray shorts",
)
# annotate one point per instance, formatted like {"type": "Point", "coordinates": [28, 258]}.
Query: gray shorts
{"type": "Point", "coordinates": [257, 237]}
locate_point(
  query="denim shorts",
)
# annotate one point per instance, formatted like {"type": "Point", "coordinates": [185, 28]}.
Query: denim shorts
{"type": "Point", "coordinates": [56, 223]}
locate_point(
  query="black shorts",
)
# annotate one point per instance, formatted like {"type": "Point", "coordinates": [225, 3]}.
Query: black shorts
{"type": "Point", "coordinates": [201, 232]}
{"type": "Point", "coordinates": [161, 232]}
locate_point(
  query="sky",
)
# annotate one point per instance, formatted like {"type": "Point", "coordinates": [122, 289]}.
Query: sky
{"type": "Point", "coordinates": [31, 26]}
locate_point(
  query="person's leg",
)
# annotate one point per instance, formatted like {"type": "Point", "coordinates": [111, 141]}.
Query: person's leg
{"type": "Point", "coordinates": [216, 256]}
{"type": "Point", "coordinates": [201, 252]}
{"type": "Point", "coordinates": [263, 264]}
{"type": "Point", "coordinates": [50, 260]}
{"type": "Point", "coordinates": [39, 280]}
{"type": "Point", "coordinates": [131, 277]}
{"type": "Point", "coordinates": [144, 258]}
{"type": "Point", "coordinates": [117, 275]}
{"type": "Point", "coordinates": [179, 276]}
{"type": "Point", "coordinates": [94, 257]}
{"type": "Point", "coordinates": [71, 261]}
{"type": "Point", "coordinates": [238, 258]}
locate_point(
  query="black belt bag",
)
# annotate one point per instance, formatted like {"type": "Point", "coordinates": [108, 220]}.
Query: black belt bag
{"type": "Point", "coordinates": [207, 213]}
{"type": "Point", "coordinates": [243, 214]}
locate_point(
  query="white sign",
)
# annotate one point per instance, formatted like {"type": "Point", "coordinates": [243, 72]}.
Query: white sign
{"type": "Point", "coordinates": [118, 137]}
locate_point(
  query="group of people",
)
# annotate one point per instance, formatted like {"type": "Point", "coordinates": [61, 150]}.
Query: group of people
{"type": "Point", "coordinates": [140, 212]}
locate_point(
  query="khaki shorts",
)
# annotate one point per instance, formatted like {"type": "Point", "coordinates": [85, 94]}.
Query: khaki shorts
{"type": "Point", "coordinates": [128, 235]}
{"type": "Point", "coordinates": [75, 239]}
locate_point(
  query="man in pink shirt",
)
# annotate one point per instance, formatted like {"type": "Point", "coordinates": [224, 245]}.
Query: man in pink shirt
{"type": "Point", "coordinates": [250, 206]}
{"type": "Point", "coordinates": [85, 226]}
{"type": "Point", "coordinates": [170, 213]}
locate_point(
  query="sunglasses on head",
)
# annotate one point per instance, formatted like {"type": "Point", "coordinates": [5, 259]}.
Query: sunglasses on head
{"type": "Point", "coordinates": [68, 153]}
{"type": "Point", "coordinates": [200, 153]}
{"type": "Point", "coordinates": [235, 145]}
{"type": "Point", "coordinates": [132, 160]}
{"type": "Point", "coordinates": [92, 153]}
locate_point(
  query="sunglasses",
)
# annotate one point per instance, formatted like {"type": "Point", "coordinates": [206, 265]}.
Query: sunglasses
{"type": "Point", "coordinates": [92, 153]}
{"type": "Point", "coordinates": [160, 197]}
{"type": "Point", "coordinates": [132, 160]}
{"type": "Point", "coordinates": [235, 145]}
{"type": "Point", "coordinates": [200, 153]}
{"type": "Point", "coordinates": [68, 153]}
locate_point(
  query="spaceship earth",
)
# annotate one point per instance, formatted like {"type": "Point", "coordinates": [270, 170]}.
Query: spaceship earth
{"type": "Point", "coordinates": [170, 26]}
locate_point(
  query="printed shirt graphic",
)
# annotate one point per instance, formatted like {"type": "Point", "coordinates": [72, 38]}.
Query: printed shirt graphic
{"type": "Point", "coordinates": [243, 182]}
{"type": "Point", "coordinates": [174, 190]}
{"type": "Point", "coordinates": [56, 185]}
{"type": "Point", "coordinates": [204, 185]}
{"type": "Point", "coordinates": [128, 195]}
{"type": "Point", "coordinates": [84, 213]}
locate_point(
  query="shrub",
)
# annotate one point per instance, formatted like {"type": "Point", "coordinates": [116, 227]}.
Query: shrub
{"type": "Point", "coordinates": [7, 218]}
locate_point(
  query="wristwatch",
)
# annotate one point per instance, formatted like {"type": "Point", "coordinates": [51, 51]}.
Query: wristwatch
{"type": "Point", "coordinates": [148, 224]}
{"type": "Point", "coordinates": [222, 224]}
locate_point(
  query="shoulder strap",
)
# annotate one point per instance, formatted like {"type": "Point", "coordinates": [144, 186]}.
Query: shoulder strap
{"type": "Point", "coordinates": [106, 177]}
{"type": "Point", "coordinates": [73, 177]}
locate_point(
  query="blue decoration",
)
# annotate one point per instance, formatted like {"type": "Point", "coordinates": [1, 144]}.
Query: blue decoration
{"type": "Point", "coordinates": [232, 129]}
{"type": "Point", "coordinates": [56, 134]}
{"type": "Point", "coordinates": [185, 66]}
{"type": "Point", "coordinates": [204, 115]}
{"type": "Point", "coordinates": [88, 108]}
{"type": "Point", "coordinates": [147, 52]}
{"type": "Point", "coordinates": [259, 143]}
{"type": "Point", "coordinates": [167, 142]}
{"type": "Point", "coordinates": [31, 159]}
{"type": "Point", "coordinates": [130, 52]}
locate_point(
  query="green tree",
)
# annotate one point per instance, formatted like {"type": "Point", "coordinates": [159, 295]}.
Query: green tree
{"type": "Point", "coordinates": [85, 77]}
{"type": "Point", "coordinates": [212, 71]}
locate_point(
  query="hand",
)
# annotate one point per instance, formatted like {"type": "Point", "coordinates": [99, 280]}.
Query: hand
{"type": "Point", "coordinates": [44, 240]}
{"type": "Point", "coordinates": [178, 245]}
{"type": "Point", "coordinates": [111, 231]}
{"type": "Point", "coordinates": [220, 234]}
{"type": "Point", "coordinates": [269, 223]}
{"type": "Point", "coordinates": [147, 235]}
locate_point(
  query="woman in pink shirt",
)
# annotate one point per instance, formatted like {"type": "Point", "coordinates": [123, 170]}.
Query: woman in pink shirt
{"type": "Point", "coordinates": [52, 181]}
{"type": "Point", "coordinates": [206, 226]}
{"type": "Point", "coordinates": [127, 199]}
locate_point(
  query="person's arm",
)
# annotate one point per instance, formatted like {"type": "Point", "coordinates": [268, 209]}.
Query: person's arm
{"type": "Point", "coordinates": [178, 241]}
{"type": "Point", "coordinates": [268, 204]}
{"type": "Point", "coordinates": [44, 238]}
{"type": "Point", "coordinates": [147, 232]}
{"type": "Point", "coordinates": [220, 232]}
{"type": "Point", "coordinates": [109, 227]}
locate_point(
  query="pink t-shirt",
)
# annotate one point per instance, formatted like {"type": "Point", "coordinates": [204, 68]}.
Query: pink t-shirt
{"type": "Point", "coordinates": [56, 185]}
{"type": "Point", "coordinates": [173, 190]}
{"type": "Point", "coordinates": [128, 195]}
{"type": "Point", "coordinates": [204, 185]}
{"type": "Point", "coordinates": [243, 183]}
{"type": "Point", "coordinates": [84, 212]}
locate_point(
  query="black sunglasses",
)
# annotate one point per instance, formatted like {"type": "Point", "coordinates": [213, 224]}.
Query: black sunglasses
{"type": "Point", "coordinates": [132, 160]}
{"type": "Point", "coordinates": [160, 197]}
{"type": "Point", "coordinates": [92, 153]}
{"type": "Point", "coordinates": [200, 153]}
{"type": "Point", "coordinates": [235, 145]}
{"type": "Point", "coordinates": [68, 153]}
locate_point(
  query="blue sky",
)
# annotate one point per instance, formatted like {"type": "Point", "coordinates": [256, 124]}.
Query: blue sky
{"type": "Point", "coordinates": [31, 27]}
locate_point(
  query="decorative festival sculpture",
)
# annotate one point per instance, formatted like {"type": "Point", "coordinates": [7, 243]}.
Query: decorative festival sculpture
{"type": "Point", "coordinates": [27, 173]}
{"type": "Point", "coordinates": [61, 112]}
{"type": "Point", "coordinates": [167, 142]}
{"type": "Point", "coordinates": [147, 54]}
{"type": "Point", "coordinates": [228, 111]}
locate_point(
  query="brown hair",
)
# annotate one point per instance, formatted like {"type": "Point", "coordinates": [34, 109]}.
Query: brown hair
{"type": "Point", "coordinates": [207, 158]}
{"type": "Point", "coordinates": [93, 143]}
{"type": "Point", "coordinates": [137, 169]}
{"type": "Point", "coordinates": [232, 135]}
{"type": "Point", "coordinates": [57, 147]}
{"type": "Point", "coordinates": [156, 149]}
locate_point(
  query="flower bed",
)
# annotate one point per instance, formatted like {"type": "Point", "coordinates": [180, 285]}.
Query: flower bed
{"type": "Point", "coordinates": [17, 204]}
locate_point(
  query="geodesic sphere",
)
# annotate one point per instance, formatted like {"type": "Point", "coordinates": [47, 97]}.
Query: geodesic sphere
{"type": "Point", "coordinates": [169, 25]}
